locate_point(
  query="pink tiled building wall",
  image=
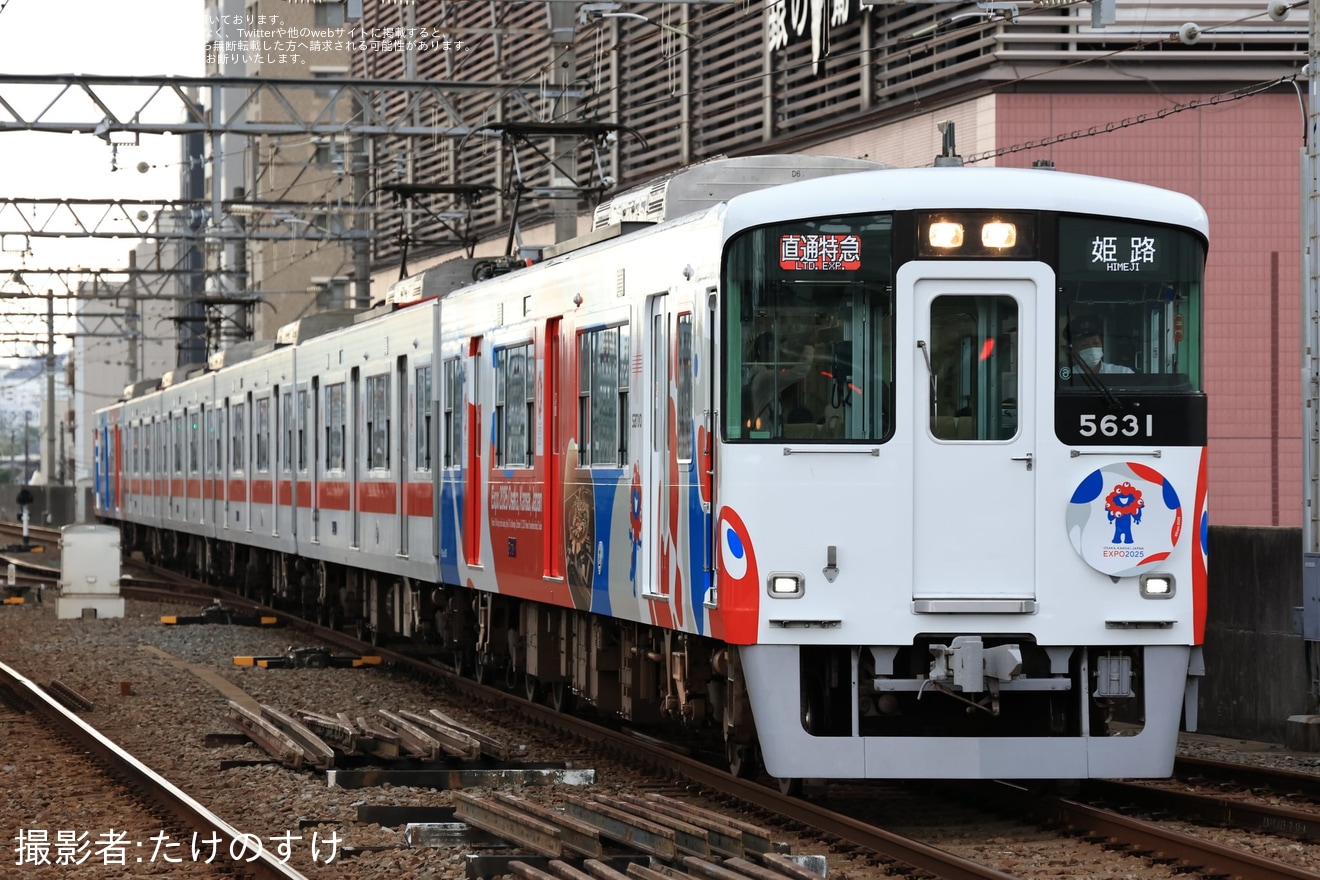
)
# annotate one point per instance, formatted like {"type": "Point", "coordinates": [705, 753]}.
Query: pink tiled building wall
{"type": "Point", "coordinates": [1241, 161]}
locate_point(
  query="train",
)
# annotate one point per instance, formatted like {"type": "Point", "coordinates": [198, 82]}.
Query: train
{"type": "Point", "coordinates": [870, 472]}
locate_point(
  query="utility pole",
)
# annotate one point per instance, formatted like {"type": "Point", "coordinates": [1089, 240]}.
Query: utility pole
{"type": "Point", "coordinates": [50, 389]}
{"type": "Point", "coordinates": [563, 71]}
{"type": "Point", "coordinates": [131, 332]}
{"type": "Point", "coordinates": [356, 168]}
{"type": "Point", "coordinates": [1310, 282]}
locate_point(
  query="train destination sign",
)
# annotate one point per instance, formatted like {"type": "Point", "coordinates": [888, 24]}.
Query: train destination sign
{"type": "Point", "coordinates": [814, 252]}
{"type": "Point", "coordinates": [1090, 248]}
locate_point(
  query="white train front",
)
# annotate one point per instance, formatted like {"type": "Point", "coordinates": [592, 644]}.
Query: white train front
{"type": "Point", "coordinates": [883, 473]}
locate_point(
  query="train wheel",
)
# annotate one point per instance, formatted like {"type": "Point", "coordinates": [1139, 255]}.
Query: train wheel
{"type": "Point", "coordinates": [742, 759]}
{"type": "Point", "coordinates": [481, 669]}
{"type": "Point", "coordinates": [531, 689]}
{"type": "Point", "coordinates": [791, 787]}
{"type": "Point", "coordinates": [559, 696]}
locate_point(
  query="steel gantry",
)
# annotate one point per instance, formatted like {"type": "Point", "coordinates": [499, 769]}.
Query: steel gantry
{"type": "Point", "coordinates": [128, 104]}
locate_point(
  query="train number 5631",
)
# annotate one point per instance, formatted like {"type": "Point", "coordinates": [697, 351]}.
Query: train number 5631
{"type": "Point", "coordinates": [1130, 425]}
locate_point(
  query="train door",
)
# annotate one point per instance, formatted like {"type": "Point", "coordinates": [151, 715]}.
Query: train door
{"type": "Point", "coordinates": [402, 437]}
{"type": "Point", "coordinates": [549, 453]}
{"type": "Point", "coordinates": [314, 429]}
{"type": "Point", "coordinates": [248, 458]}
{"type": "Point", "coordinates": [286, 492]}
{"type": "Point", "coordinates": [196, 505]}
{"type": "Point", "coordinates": [354, 416]}
{"type": "Point", "coordinates": [472, 500]}
{"type": "Point", "coordinates": [268, 443]}
{"type": "Point", "coordinates": [974, 479]}
{"type": "Point", "coordinates": [114, 463]}
{"type": "Point", "coordinates": [655, 461]}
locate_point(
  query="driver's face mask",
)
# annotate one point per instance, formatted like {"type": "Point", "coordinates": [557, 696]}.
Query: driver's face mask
{"type": "Point", "coordinates": [1091, 356]}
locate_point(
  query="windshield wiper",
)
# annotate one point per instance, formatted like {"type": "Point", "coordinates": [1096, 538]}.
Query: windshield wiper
{"type": "Point", "coordinates": [1092, 378]}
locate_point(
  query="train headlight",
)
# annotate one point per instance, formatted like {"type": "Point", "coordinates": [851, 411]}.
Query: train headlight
{"type": "Point", "coordinates": [998, 234]}
{"type": "Point", "coordinates": [1157, 586]}
{"type": "Point", "coordinates": [945, 234]}
{"type": "Point", "coordinates": [785, 585]}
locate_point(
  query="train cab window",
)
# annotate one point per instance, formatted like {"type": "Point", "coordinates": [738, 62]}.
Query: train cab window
{"type": "Point", "coordinates": [1129, 308]}
{"type": "Point", "coordinates": [973, 367]}
{"type": "Point", "coordinates": [514, 402]}
{"type": "Point", "coordinates": [808, 332]}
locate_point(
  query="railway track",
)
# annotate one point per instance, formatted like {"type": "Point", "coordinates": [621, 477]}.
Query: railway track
{"type": "Point", "coordinates": [1114, 829]}
{"type": "Point", "coordinates": [1087, 821]}
{"type": "Point", "coordinates": [139, 783]}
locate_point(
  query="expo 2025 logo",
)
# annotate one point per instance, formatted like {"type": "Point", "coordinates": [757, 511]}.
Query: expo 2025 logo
{"type": "Point", "coordinates": [1123, 517]}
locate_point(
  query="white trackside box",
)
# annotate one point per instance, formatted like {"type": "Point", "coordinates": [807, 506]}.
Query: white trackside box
{"type": "Point", "coordinates": [89, 572]}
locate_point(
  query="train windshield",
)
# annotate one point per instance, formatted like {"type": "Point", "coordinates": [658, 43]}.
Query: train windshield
{"type": "Point", "coordinates": [1129, 307]}
{"type": "Point", "coordinates": [808, 333]}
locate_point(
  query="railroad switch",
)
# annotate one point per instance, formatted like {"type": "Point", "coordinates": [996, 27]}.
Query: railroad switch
{"type": "Point", "coordinates": [309, 658]}
{"type": "Point", "coordinates": [219, 614]}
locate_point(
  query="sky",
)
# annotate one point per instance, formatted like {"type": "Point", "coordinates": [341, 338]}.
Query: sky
{"type": "Point", "coordinates": [138, 38]}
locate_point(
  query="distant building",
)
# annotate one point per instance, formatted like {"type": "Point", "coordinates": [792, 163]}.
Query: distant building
{"type": "Point", "coordinates": [298, 192]}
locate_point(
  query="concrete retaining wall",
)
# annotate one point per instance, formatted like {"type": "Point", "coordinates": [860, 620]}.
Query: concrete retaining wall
{"type": "Point", "coordinates": [1256, 674]}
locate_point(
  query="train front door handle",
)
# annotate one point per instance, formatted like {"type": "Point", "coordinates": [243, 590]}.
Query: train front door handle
{"type": "Point", "coordinates": [1026, 458]}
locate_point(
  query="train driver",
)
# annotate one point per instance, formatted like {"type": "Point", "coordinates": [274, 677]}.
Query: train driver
{"type": "Point", "coordinates": [771, 377]}
{"type": "Point", "coordinates": [1084, 341]}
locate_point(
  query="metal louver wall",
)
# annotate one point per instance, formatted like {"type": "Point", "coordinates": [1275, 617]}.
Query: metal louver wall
{"type": "Point", "coordinates": [702, 80]}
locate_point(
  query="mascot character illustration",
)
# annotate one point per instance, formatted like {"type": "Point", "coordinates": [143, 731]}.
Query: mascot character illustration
{"type": "Point", "coordinates": [1123, 506]}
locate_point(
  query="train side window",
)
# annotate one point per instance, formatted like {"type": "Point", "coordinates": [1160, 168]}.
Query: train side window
{"type": "Point", "coordinates": [237, 431]}
{"type": "Point", "coordinates": [625, 371]}
{"type": "Point", "coordinates": [422, 393]}
{"type": "Point", "coordinates": [286, 449]}
{"type": "Point", "coordinates": [263, 434]}
{"type": "Point", "coordinates": [334, 427]}
{"type": "Point", "coordinates": [177, 421]}
{"type": "Point", "coordinates": [194, 442]}
{"type": "Point", "coordinates": [603, 397]}
{"type": "Point", "coordinates": [302, 430]}
{"type": "Point", "coordinates": [514, 405]}
{"type": "Point", "coordinates": [974, 364]}
{"type": "Point", "coordinates": [453, 413]}
{"type": "Point", "coordinates": [378, 421]}
{"type": "Point", "coordinates": [683, 380]}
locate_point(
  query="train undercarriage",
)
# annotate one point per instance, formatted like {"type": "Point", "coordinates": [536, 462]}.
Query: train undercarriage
{"type": "Point", "coordinates": [558, 656]}
{"type": "Point", "coordinates": [937, 687]}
